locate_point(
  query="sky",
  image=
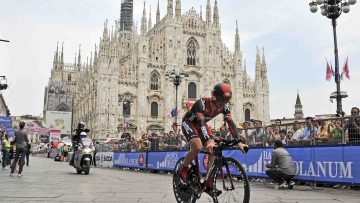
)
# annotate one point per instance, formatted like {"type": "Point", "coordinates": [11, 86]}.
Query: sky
{"type": "Point", "coordinates": [296, 43]}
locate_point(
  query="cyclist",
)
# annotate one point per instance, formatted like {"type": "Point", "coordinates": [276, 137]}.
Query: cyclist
{"type": "Point", "coordinates": [197, 132]}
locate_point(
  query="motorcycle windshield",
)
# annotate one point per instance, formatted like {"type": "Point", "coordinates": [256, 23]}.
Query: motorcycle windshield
{"type": "Point", "coordinates": [87, 142]}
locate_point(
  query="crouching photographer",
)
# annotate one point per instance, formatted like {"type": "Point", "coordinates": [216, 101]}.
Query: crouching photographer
{"type": "Point", "coordinates": [282, 168]}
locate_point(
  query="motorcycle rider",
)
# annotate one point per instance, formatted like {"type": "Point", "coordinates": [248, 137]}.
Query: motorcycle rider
{"type": "Point", "coordinates": [76, 139]}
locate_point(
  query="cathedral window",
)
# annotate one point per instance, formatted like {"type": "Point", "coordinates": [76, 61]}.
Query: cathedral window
{"type": "Point", "coordinates": [126, 108]}
{"type": "Point", "coordinates": [192, 90]}
{"type": "Point", "coordinates": [154, 110]}
{"type": "Point", "coordinates": [154, 81]}
{"type": "Point", "coordinates": [144, 49]}
{"type": "Point", "coordinates": [247, 115]}
{"type": "Point", "coordinates": [191, 52]}
{"type": "Point", "coordinates": [69, 77]}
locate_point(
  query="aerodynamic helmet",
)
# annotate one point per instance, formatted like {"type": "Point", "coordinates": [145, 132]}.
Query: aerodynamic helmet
{"type": "Point", "coordinates": [222, 91]}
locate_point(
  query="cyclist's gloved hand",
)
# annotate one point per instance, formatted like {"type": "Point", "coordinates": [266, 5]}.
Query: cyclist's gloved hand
{"type": "Point", "coordinates": [243, 147]}
{"type": "Point", "coordinates": [210, 145]}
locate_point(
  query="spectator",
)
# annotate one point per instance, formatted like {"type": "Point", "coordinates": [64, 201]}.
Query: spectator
{"type": "Point", "coordinates": [290, 133]}
{"type": "Point", "coordinates": [28, 145]}
{"type": "Point", "coordinates": [95, 151]}
{"type": "Point", "coordinates": [283, 138]}
{"type": "Point", "coordinates": [336, 131]}
{"type": "Point", "coordinates": [64, 151]}
{"type": "Point", "coordinates": [352, 127]}
{"type": "Point", "coordinates": [272, 135]}
{"type": "Point", "coordinates": [248, 133]}
{"type": "Point", "coordinates": [310, 131]}
{"type": "Point", "coordinates": [21, 141]}
{"type": "Point", "coordinates": [297, 135]}
{"type": "Point", "coordinates": [5, 149]}
{"type": "Point", "coordinates": [282, 168]}
{"type": "Point", "coordinates": [259, 134]}
{"type": "Point", "coordinates": [324, 131]}
{"type": "Point", "coordinates": [277, 122]}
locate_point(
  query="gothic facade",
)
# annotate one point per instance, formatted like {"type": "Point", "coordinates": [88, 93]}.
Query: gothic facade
{"type": "Point", "coordinates": [123, 87]}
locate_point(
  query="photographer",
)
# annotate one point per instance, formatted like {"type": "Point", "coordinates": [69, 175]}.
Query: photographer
{"type": "Point", "coordinates": [282, 168]}
{"type": "Point", "coordinates": [352, 127]}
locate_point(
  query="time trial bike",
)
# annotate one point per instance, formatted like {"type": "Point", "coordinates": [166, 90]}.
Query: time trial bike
{"type": "Point", "coordinates": [226, 173]}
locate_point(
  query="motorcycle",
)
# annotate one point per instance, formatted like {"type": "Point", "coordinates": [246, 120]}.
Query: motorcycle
{"type": "Point", "coordinates": [83, 156]}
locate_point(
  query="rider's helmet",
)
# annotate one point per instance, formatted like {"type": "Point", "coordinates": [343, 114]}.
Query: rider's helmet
{"type": "Point", "coordinates": [222, 92]}
{"type": "Point", "coordinates": [81, 125]}
{"type": "Point", "coordinates": [83, 135]}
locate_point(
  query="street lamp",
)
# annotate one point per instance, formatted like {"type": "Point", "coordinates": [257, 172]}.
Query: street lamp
{"type": "Point", "coordinates": [3, 82]}
{"type": "Point", "coordinates": [176, 77]}
{"type": "Point", "coordinates": [332, 9]}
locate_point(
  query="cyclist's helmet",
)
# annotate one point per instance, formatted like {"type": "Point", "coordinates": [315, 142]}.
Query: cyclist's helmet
{"type": "Point", "coordinates": [222, 91]}
{"type": "Point", "coordinates": [81, 125]}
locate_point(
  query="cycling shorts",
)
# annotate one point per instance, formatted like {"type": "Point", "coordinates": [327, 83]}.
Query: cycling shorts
{"type": "Point", "coordinates": [192, 130]}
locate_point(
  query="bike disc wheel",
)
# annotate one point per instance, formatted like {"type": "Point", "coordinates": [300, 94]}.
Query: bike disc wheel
{"type": "Point", "coordinates": [237, 178]}
{"type": "Point", "coordinates": [181, 195]}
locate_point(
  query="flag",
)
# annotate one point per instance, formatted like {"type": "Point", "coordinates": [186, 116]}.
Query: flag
{"type": "Point", "coordinates": [329, 72]}
{"type": "Point", "coordinates": [345, 70]}
{"type": "Point", "coordinates": [173, 112]}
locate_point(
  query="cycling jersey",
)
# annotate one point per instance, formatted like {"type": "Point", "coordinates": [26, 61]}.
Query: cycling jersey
{"type": "Point", "coordinates": [194, 121]}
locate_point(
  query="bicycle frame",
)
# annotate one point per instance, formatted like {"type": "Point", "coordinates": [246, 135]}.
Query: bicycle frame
{"type": "Point", "coordinates": [217, 163]}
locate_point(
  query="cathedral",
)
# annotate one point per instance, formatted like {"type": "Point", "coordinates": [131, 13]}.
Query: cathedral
{"type": "Point", "coordinates": [123, 88]}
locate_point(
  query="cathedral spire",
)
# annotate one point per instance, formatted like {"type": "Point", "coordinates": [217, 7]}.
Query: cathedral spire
{"type": "Point", "coordinates": [57, 52]}
{"type": "Point", "coordinates": [263, 65]}
{"type": "Point", "coordinates": [91, 59]}
{"type": "Point", "coordinates": [208, 13]}
{"type": "Point", "coordinates": [75, 60]}
{"type": "Point", "coordinates": [95, 56]}
{"type": "Point", "coordinates": [143, 22]}
{"type": "Point", "coordinates": [170, 8]}
{"type": "Point", "coordinates": [200, 12]}
{"type": "Point", "coordinates": [178, 9]}
{"type": "Point", "coordinates": [105, 32]}
{"type": "Point", "coordinates": [298, 108]}
{"type": "Point", "coordinates": [216, 15]}
{"type": "Point", "coordinates": [158, 13]}
{"type": "Point", "coordinates": [62, 55]}
{"type": "Point", "coordinates": [79, 56]}
{"type": "Point", "coordinates": [150, 22]}
{"type": "Point", "coordinates": [237, 39]}
{"type": "Point", "coordinates": [257, 64]}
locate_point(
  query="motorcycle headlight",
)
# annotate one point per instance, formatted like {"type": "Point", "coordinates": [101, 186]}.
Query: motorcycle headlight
{"type": "Point", "coordinates": [87, 150]}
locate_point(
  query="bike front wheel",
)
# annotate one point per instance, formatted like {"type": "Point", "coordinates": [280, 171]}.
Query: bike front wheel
{"type": "Point", "coordinates": [231, 178]}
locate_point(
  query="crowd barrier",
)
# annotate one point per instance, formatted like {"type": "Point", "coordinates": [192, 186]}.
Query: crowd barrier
{"type": "Point", "coordinates": [338, 164]}
{"type": "Point", "coordinates": [333, 164]}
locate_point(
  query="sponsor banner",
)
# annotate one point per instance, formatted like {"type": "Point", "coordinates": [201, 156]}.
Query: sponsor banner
{"type": "Point", "coordinates": [329, 164]}
{"type": "Point", "coordinates": [105, 159]}
{"type": "Point", "coordinates": [130, 159]}
{"type": "Point", "coordinates": [6, 125]}
{"type": "Point", "coordinates": [164, 160]}
{"type": "Point", "coordinates": [54, 136]}
{"type": "Point", "coordinates": [59, 120]}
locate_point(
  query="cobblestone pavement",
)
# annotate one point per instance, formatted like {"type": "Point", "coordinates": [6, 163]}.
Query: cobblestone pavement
{"type": "Point", "coordinates": [48, 181]}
